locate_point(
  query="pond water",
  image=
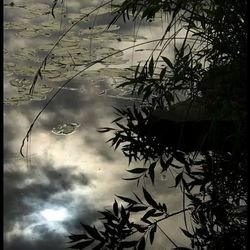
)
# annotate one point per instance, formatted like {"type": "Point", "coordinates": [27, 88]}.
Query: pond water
{"type": "Point", "coordinates": [68, 172]}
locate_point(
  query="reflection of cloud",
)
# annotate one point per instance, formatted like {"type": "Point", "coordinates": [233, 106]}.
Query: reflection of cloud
{"type": "Point", "coordinates": [25, 195]}
{"type": "Point", "coordinates": [84, 174]}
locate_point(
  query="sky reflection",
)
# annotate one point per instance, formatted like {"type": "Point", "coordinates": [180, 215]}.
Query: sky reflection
{"type": "Point", "coordinates": [66, 178]}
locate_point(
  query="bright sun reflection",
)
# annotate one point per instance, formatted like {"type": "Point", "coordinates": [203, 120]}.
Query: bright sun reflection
{"type": "Point", "coordinates": [55, 214]}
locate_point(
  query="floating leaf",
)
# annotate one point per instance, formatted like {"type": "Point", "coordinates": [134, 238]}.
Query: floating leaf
{"type": "Point", "coordinates": [65, 129]}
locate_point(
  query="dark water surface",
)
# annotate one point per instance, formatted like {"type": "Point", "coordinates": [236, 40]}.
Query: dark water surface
{"type": "Point", "coordinates": [70, 172]}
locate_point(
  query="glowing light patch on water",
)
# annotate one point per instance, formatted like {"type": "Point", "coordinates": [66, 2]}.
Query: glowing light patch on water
{"type": "Point", "coordinates": [55, 214]}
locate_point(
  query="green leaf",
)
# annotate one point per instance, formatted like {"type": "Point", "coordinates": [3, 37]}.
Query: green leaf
{"type": "Point", "coordinates": [189, 235]}
{"type": "Point", "coordinates": [104, 130]}
{"type": "Point", "coordinates": [165, 165]}
{"type": "Point", "coordinates": [152, 233]}
{"type": "Point", "coordinates": [137, 69]}
{"type": "Point", "coordinates": [137, 170]}
{"type": "Point", "coordinates": [115, 208]}
{"type": "Point", "coordinates": [148, 214]}
{"type": "Point", "coordinates": [117, 119]}
{"type": "Point", "coordinates": [149, 199]}
{"type": "Point", "coordinates": [108, 215]}
{"type": "Point", "coordinates": [128, 244]}
{"type": "Point", "coordinates": [128, 200]}
{"type": "Point", "coordinates": [82, 244]}
{"type": "Point", "coordinates": [131, 179]}
{"type": "Point", "coordinates": [163, 72]}
{"type": "Point", "coordinates": [151, 67]}
{"type": "Point", "coordinates": [151, 171]}
{"type": "Point", "coordinates": [141, 244]}
{"type": "Point", "coordinates": [78, 237]}
{"type": "Point", "coordinates": [99, 246]}
{"type": "Point", "coordinates": [179, 156]}
{"type": "Point", "coordinates": [178, 179]}
{"type": "Point", "coordinates": [137, 197]}
{"type": "Point", "coordinates": [168, 62]}
{"type": "Point", "coordinates": [92, 231]}
{"type": "Point", "coordinates": [137, 208]}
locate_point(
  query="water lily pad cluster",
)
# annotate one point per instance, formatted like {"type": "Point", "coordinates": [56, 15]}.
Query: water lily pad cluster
{"type": "Point", "coordinates": [65, 128]}
{"type": "Point", "coordinates": [23, 96]}
{"type": "Point", "coordinates": [77, 49]}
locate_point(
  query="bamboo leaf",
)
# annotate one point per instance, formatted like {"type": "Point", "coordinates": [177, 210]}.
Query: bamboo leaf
{"type": "Point", "coordinates": [149, 199]}
{"type": "Point", "coordinates": [137, 170]}
{"type": "Point", "coordinates": [137, 208]}
{"type": "Point", "coordinates": [189, 235]}
{"type": "Point", "coordinates": [128, 200]}
{"type": "Point", "coordinates": [168, 62]}
{"type": "Point", "coordinates": [178, 179]}
{"type": "Point", "coordinates": [82, 244]}
{"type": "Point", "coordinates": [152, 233]}
{"type": "Point", "coordinates": [141, 244]}
{"type": "Point", "coordinates": [151, 67]}
{"type": "Point", "coordinates": [92, 231]}
{"type": "Point", "coordinates": [115, 208]}
{"type": "Point", "coordinates": [148, 214]}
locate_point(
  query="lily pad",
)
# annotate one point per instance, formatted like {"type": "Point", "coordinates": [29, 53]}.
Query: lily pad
{"type": "Point", "coordinates": [100, 11]}
{"type": "Point", "coordinates": [14, 25]}
{"type": "Point", "coordinates": [17, 100]}
{"type": "Point", "coordinates": [24, 70]}
{"type": "Point", "coordinates": [26, 54]}
{"type": "Point", "coordinates": [65, 128]}
{"type": "Point", "coordinates": [20, 82]}
{"type": "Point", "coordinates": [98, 29]}
{"type": "Point", "coordinates": [12, 5]}
{"type": "Point", "coordinates": [111, 36]}
{"type": "Point", "coordinates": [74, 17]}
